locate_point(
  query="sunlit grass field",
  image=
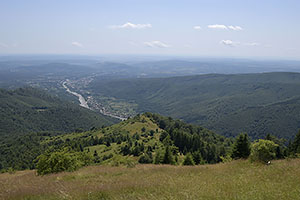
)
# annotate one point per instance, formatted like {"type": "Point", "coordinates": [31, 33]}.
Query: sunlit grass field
{"type": "Point", "coordinates": [234, 180]}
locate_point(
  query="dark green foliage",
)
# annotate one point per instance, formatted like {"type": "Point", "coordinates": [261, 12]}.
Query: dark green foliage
{"type": "Point", "coordinates": [294, 146]}
{"type": "Point", "coordinates": [192, 138]}
{"type": "Point", "coordinates": [197, 157]}
{"type": "Point", "coordinates": [96, 157]}
{"type": "Point", "coordinates": [176, 138]}
{"type": "Point", "coordinates": [227, 104]}
{"type": "Point", "coordinates": [30, 110]}
{"type": "Point", "coordinates": [241, 147]}
{"type": "Point", "coordinates": [146, 158]}
{"type": "Point", "coordinates": [158, 157]}
{"type": "Point", "coordinates": [188, 160]}
{"type": "Point", "coordinates": [19, 152]}
{"type": "Point", "coordinates": [281, 150]}
{"type": "Point", "coordinates": [168, 157]}
{"type": "Point", "coordinates": [263, 151]}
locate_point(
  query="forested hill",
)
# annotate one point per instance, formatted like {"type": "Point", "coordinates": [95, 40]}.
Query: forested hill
{"type": "Point", "coordinates": [147, 138]}
{"type": "Point", "coordinates": [228, 104]}
{"type": "Point", "coordinates": [30, 110]}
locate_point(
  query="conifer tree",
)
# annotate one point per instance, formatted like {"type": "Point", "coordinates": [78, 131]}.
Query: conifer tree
{"type": "Point", "coordinates": [241, 147]}
{"type": "Point", "coordinates": [168, 157]}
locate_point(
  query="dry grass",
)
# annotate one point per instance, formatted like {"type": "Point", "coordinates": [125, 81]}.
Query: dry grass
{"type": "Point", "coordinates": [235, 180]}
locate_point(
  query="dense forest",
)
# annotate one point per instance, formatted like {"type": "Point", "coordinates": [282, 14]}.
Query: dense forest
{"type": "Point", "coordinates": [147, 138]}
{"type": "Point", "coordinates": [26, 110]}
{"type": "Point", "coordinates": [227, 104]}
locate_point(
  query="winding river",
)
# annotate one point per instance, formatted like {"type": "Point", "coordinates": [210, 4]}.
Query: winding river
{"type": "Point", "coordinates": [84, 103]}
{"type": "Point", "coordinates": [81, 99]}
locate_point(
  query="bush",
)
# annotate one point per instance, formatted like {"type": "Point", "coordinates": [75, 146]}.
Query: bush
{"type": "Point", "coordinates": [59, 161]}
{"type": "Point", "coordinates": [263, 151]}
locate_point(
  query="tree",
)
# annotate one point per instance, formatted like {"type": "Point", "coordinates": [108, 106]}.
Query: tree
{"type": "Point", "coordinates": [197, 157]}
{"type": "Point", "coordinates": [145, 158]}
{"type": "Point", "coordinates": [263, 151]}
{"type": "Point", "coordinates": [168, 157]}
{"type": "Point", "coordinates": [188, 160]}
{"type": "Point", "coordinates": [294, 147]}
{"type": "Point", "coordinates": [241, 147]}
{"type": "Point", "coordinates": [281, 148]}
{"type": "Point", "coordinates": [158, 157]}
{"type": "Point", "coordinates": [96, 157]}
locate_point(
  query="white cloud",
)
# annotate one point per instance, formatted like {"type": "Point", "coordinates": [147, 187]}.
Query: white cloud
{"type": "Point", "coordinates": [235, 28]}
{"type": "Point", "coordinates": [228, 43]}
{"type": "Point", "coordinates": [234, 44]}
{"type": "Point", "coordinates": [197, 27]}
{"type": "Point", "coordinates": [77, 44]}
{"type": "Point", "coordinates": [131, 25]}
{"type": "Point", "coordinates": [221, 26]}
{"type": "Point", "coordinates": [157, 44]}
{"type": "Point", "coordinates": [217, 26]}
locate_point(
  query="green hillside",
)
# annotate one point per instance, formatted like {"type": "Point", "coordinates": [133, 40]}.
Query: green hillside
{"type": "Point", "coordinates": [143, 139]}
{"type": "Point", "coordinates": [30, 110]}
{"type": "Point", "coordinates": [227, 104]}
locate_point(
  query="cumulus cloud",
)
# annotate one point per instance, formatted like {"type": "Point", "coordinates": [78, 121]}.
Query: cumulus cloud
{"type": "Point", "coordinates": [224, 27]}
{"type": "Point", "coordinates": [197, 27]}
{"type": "Point", "coordinates": [217, 26]}
{"type": "Point", "coordinates": [131, 25]}
{"type": "Point", "coordinates": [77, 44]}
{"type": "Point", "coordinates": [157, 44]}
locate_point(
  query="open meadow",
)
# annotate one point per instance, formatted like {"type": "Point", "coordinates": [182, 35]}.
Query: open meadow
{"type": "Point", "coordinates": [234, 180]}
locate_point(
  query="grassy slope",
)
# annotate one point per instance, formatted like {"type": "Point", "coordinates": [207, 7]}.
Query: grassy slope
{"type": "Point", "coordinates": [234, 180]}
{"type": "Point", "coordinates": [228, 104]}
{"type": "Point", "coordinates": [130, 126]}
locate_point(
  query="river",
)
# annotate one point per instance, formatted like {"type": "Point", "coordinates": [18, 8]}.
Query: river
{"type": "Point", "coordinates": [81, 99]}
{"type": "Point", "coordinates": [84, 103]}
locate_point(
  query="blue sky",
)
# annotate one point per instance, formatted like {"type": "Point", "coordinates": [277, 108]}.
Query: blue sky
{"type": "Point", "coordinates": [214, 28]}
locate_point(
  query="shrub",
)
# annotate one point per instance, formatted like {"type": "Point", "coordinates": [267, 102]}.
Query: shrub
{"type": "Point", "coordinates": [263, 151]}
{"type": "Point", "coordinates": [64, 160]}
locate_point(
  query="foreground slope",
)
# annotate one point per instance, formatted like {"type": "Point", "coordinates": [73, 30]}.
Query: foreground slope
{"type": "Point", "coordinates": [234, 180]}
{"type": "Point", "coordinates": [30, 110]}
{"type": "Point", "coordinates": [228, 104]}
{"type": "Point", "coordinates": [144, 138]}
